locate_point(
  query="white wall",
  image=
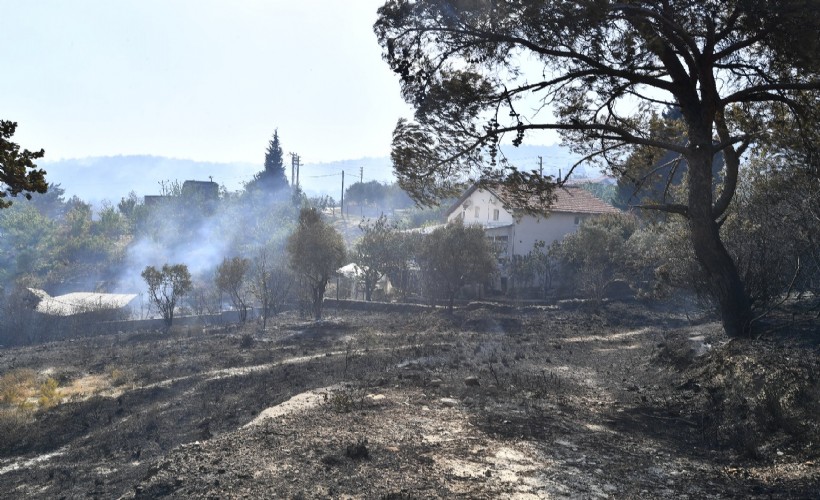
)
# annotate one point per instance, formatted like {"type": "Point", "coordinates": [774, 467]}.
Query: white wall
{"type": "Point", "coordinates": [531, 229]}
{"type": "Point", "coordinates": [483, 201]}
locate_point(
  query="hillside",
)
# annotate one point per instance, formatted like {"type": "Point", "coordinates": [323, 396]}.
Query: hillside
{"type": "Point", "coordinates": [621, 402]}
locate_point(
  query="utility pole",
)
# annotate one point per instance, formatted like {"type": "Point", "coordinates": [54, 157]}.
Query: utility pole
{"type": "Point", "coordinates": [342, 205]}
{"type": "Point", "coordinates": [541, 166]}
{"type": "Point", "coordinates": [361, 181]}
{"type": "Point", "coordinates": [294, 165]}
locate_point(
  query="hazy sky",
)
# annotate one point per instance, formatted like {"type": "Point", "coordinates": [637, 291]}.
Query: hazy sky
{"type": "Point", "coordinates": [207, 80]}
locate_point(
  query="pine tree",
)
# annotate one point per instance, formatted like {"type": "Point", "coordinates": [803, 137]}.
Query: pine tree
{"type": "Point", "coordinates": [272, 179]}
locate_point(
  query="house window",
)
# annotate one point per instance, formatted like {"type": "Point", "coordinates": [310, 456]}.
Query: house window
{"type": "Point", "coordinates": [477, 212]}
{"type": "Point", "coordinates": [577, 220]}
{"type": "Point", "coordinates": [495, 214]}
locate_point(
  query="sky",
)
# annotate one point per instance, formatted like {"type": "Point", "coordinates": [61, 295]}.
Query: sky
{"type": "Point", "coordinates": [206, 80]}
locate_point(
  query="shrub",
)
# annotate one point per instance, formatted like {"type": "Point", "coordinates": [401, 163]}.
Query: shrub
{"type": "Point", "coordinates": [49, 393]}
{"type": "Point", "coordinates": [596, 254]}
{"type": "Point", "coordinates": [16, 385]}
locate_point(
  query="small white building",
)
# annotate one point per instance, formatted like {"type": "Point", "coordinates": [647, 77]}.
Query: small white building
{"type": "Point", "coordinates": [516, 233]}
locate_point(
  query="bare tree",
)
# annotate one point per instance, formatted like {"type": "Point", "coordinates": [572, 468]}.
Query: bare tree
{"type": "Point", "coordinates": [271, 281]}
{"type": "Point", "coordinates": [231, 278]}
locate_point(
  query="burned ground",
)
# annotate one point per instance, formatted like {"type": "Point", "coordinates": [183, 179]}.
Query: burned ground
{"type": "Point", "coordinates": [620, 402]}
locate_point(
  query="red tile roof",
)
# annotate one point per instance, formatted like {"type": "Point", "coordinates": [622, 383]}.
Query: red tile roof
{"type": "Point", "coordinates": [569, 199]}
{"type": "Point", "coordinates": [578, 200]}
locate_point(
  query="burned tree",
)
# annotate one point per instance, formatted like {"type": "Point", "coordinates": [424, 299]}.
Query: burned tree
{"type": "Point", "coordinates": [271, 281]}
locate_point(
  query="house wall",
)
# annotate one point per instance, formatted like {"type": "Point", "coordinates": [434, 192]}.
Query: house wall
{"type": "Point", "coordinates": [553, 228]}
{"type": "Point", "coordinates": [479, 208]}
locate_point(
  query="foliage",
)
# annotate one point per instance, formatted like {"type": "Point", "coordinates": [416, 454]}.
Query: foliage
{"type": "Point", "coordinates": [593, 256]}
{"type": "Point", "coordinates": [166, 287]}
{"type": "Point", "coordinates": [322, 203]}
{"type": "Point", "coordinates": [231, 277]}
{"type": "Point", "coordinates": [316, 251]}
{"type": "Point", "coordinates": [28, 244]}
{"type": "Point", "coordinates": [377, 252]}
{"type": "Point", "coordinates": [374, 193]}
{"type": "Point", "coordinates": [537, 268]}
{"type": "Point", "coordinates": [84, 239]}
{"type": "Point", "coordinates": [18, 172]}
{"type": "Point", "coordinates": [132, 210]}
{"type": "Point", "coordinates": [772, 231]}
{"type": "Point", "coordinates": [477, 72]}
{"type": "Point", "coordinates": [401, 267]}
{"type": "Point", "coordinates": [453, 256]}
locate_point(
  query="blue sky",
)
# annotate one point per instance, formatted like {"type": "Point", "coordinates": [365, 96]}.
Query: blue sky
{"type": "Point", "coordinates": [197, 79]}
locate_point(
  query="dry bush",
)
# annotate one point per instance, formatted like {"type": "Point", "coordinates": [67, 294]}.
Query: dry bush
{"type": "Point", "coordinates": [344, 400]}
{"type": "Point", "coordinates": [16, 386]}
{"type": "Point", "coordinates": [49, 393]}
{"type": "Point", "coordinates": [759, 397]}
{"type": "Point", "coordinates": [121, 377]}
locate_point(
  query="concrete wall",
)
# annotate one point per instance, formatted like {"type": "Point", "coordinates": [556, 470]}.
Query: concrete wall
{"type": "Point", "coordinates": [226, 317]}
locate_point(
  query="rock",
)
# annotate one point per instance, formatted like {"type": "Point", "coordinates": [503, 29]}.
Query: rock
{"type": "Point", "coordinates": [449, 402]}
{"type": "Point", "coordinates": [472, 381]}
{"type": "Point", "coordinates": [436, 382]}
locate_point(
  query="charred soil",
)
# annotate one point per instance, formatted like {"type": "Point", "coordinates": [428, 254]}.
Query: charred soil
{"type": "Point", "coordinates": [623, 401]}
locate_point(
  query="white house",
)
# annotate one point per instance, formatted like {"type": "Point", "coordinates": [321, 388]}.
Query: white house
{"type": "Point", "coordinates": [485, 206]}
{"type": "Point", "coordinates": [516, 234]}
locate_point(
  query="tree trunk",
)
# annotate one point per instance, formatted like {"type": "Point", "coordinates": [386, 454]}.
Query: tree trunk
{"type": "Point", "coordinates": [318, 298]}
{"type": "Point", "coordinates": [721, 271]}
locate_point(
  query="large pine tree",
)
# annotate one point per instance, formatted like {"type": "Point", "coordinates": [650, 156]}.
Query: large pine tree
{"type": "Point", "coordinates": [481, 72]}
{"type": "Point", "coordinates": [272, 179]}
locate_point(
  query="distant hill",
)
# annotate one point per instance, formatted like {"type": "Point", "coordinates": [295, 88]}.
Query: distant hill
{"type": "Point", "coordinates": [112, 177]}
{"type": "Point", "coordinates": [99, 178]}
